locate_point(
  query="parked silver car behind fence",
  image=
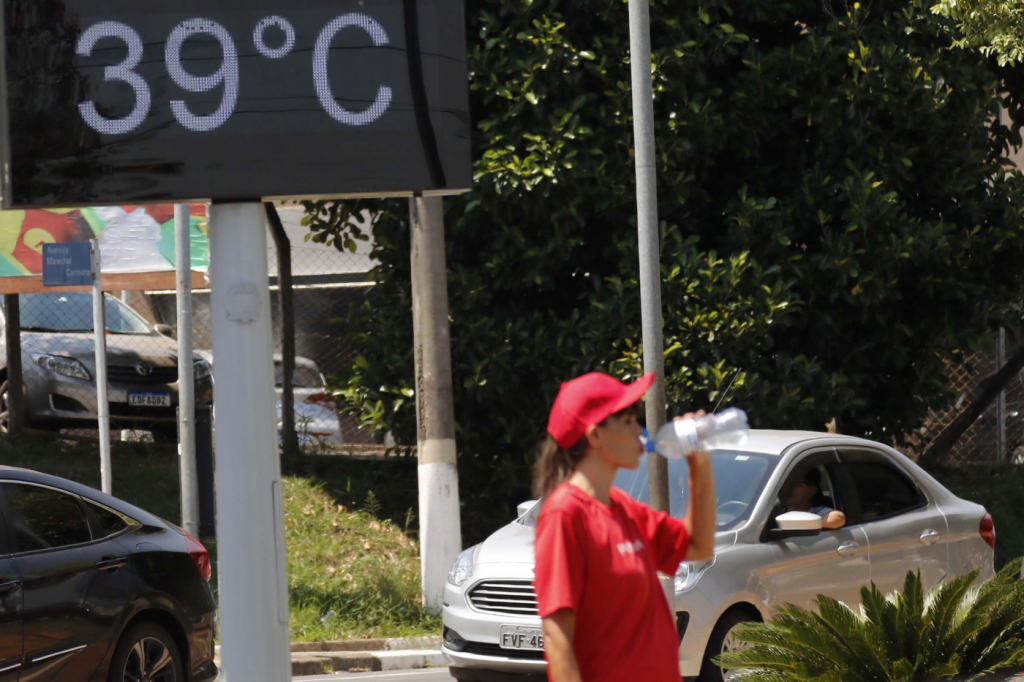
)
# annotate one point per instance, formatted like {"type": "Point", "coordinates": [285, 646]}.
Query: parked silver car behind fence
{"type": "Point", "coordinates": [59, 367]}
{"type": "Point", "coordinates": [898, 519]}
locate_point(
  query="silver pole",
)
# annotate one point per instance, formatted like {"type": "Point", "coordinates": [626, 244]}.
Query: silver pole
{"type": "Point", "coordinates": [647, 229]}
{"type": "Point", "coordinates": [1001, 401]}
{"type": "Point", "coordinates": [99, 327]}
{"type": "Point", "coordinates": [186, 372]}
{"type": "Point", "coordinates": [440, 531]}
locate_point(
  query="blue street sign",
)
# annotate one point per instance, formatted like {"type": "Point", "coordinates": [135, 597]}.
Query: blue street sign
{"type": "Point", "coordinates": [68, 264]}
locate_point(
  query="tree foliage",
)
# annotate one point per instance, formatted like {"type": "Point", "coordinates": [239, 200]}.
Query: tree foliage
{"type": "Point", "coordinates": [956, 631]}
{"type": "Point", "coordinates": [837, 220]}
{"type": "Point", "coordinates": [996, 27]}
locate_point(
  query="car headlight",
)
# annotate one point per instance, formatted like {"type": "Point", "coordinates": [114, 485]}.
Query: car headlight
{"type": "Point", "coordinates": [462, 569]}
{"type": "Point", "coordinates": [69, 367]}
{"type": "Point", "coordinates": [690, 572]}
{"type": "Point", "coordinates": [201, 369]}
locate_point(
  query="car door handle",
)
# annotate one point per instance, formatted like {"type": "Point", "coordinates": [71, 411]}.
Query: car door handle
{"type": "Point", "coordinates": [929, 537]}
{"type": "Point", "coordinates": [111, 564]}
{"type": "Point", "coordinates": [848, 548]}
{"type": "Point", "coordinates": [9, 585]}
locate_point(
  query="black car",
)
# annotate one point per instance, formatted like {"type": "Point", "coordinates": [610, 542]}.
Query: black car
{"type": "Point", "coordinates": [93, 588]}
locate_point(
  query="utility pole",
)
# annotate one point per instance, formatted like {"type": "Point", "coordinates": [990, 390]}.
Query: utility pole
{"type": "Point", "coordinates": [186, 372]}
{"type": "Point", "coordinates": [440, 528]}
{"type": "Point", "coordinates": [15, 380]}
{"type": "Point", "coordinates": [647, 232]}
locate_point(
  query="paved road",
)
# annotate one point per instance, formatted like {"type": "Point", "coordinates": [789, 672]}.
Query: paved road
{"type": "Point", "coordinates": [427, 675]}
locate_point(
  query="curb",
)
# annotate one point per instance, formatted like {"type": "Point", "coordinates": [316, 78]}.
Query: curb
{"type": "Point", "coordinates": [363, 655]}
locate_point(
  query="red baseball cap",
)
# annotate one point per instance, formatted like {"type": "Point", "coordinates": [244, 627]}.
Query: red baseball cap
{"type": "Point", "coordinates": [589, 400]}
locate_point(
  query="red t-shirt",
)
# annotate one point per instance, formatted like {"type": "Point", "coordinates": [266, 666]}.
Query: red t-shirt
{"type": "Point", "coordinates": [601, 561]}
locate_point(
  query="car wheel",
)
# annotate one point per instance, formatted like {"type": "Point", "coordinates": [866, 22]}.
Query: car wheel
{"type": "Point", "coordinates": [165, 433]}
{"type": "Point", "coordinates": [723, 640]}
{"type": "Point", "coordinates": [147, 653]}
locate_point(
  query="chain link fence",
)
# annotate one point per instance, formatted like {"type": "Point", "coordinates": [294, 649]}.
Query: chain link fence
{"type": "Point", "coordinates": [980, 443]}
{"type": "Point", "coordinates": [58, 350]}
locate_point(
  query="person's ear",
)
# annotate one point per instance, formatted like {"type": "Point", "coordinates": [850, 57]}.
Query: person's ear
{"type": "Point", "coordinates": [593, 435]}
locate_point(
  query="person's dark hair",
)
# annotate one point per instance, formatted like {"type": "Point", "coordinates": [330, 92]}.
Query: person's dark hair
{"type": "Point", "coordinates": [813, 477]}
{"type": "Point", "coordinates": [555, 464]}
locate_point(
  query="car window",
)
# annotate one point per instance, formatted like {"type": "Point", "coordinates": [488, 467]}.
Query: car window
{"type": "Point", "coordinates": [881, 489]}
{"type": "Point", "coordinates": [110, 523]}
{"type": "Point", "coordinates": [302, 377]}
{"type": "Point", "coordinates": [739, 479]}
{"type": "Point", "coordinates": [72, 312]}
{"type": "Point", "coordinates": [41, 518]}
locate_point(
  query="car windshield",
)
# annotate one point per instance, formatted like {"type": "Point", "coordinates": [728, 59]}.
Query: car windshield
{"type": "Point", "coordinates": [72, 312]}
{"type": "Point", "coordinates": [739, 479]}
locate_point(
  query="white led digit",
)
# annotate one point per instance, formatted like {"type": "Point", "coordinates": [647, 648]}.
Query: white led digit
{"type": "Point", "coordinates": [226, 75]}
{"type": "Point", "coordinates": [321, 79]}
{"type": "Point", "coordinates": [261, 45]}
{"type": "Point", "coordinates": [124, 72]}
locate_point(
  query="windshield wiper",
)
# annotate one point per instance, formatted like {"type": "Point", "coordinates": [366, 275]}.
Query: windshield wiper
{"type": "Point", "coordinates": [51, 329]}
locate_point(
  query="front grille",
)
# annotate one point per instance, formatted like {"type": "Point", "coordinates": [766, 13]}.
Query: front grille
{"type": "Point", "coordinates": [515, 597]}
{"type": "Point", "coordinates": [481, 649]}
{"type": "Point", "coordinates": [129, 374]}
{"type": "Point", "coordinates": [126, 411]}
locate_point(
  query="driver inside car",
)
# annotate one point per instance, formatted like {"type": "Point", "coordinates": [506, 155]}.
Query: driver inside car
{"type": "Point", "coordinates": [805, 496]}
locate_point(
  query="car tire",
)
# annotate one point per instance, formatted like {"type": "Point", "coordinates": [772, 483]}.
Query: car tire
{"type": "Point", "coordinates": [149, 647]}
{"type": "Point", "coordinates": [165, 433]}
{"type": "Point", "coordinates": [717, 645]}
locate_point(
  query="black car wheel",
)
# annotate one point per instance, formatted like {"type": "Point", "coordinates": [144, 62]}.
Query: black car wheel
{"type": "Point", "coordinates": [147, 653]}
{"type": "Point", "coordinates": [723, 640]}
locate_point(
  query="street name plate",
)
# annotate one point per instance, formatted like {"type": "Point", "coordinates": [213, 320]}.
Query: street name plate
{"type": "Point", "coordinates": [125, 102]}
{"type": "Point", "coordinates": [68, 264]}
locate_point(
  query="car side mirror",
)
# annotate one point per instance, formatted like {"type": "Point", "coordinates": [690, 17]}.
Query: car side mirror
{"type": "Point", "coordinates": [164, 330]}
{"type": "Point", "coordinates": [796, 525]}
{"type": "Point", "coordinates": [524, 507]}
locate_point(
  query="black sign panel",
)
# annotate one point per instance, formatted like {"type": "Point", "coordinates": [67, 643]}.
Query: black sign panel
{"type": "Point", "coordinates": [135, 101]}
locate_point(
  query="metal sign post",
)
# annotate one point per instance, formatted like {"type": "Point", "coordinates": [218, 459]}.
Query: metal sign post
{"type": "Point", "coordinates": [250, 517]}
{"type": "Point", "coordinates": [99, 327]}
{"type": "Point", "coordinates": [186, 372]}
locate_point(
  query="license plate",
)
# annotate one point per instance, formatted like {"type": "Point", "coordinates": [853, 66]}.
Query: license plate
{"type": "Point", "coordinates": [519, 637]}
{"type": "Point", "coordinates": [149, 399]}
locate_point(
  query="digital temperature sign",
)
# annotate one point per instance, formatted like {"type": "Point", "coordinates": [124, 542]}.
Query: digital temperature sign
{"type": "Point", "coordinates": [128, 102]}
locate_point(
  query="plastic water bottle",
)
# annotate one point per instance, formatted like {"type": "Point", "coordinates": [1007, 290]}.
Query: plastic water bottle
{"type": "Point", "coordinates": [679, 439]}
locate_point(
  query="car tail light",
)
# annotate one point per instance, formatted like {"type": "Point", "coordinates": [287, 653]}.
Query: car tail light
{"type": "Point", "coordinates": [316, 397]}
{"type": "Point", "coordinates": [988, 531]}
{"type": "Point", "coordinates": [200, 556]}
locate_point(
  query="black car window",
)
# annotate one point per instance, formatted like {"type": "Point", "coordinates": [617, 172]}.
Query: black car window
{"type": "Point", "coordinates": [882, 490]}
{"type": "Point", "coordinates": [41, 518]}
{"type": "Point", "coordinates": [110, 523]}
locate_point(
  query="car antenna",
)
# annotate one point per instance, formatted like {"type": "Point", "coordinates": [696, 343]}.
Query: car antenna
{"type": "Point", "coordinates": [726, 391]}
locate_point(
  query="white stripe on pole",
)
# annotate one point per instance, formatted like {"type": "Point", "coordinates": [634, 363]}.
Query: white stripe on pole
{"type": "Point", "coordinates": [186, 372]}
{"type": "Point", "coordinates": [99, 327]}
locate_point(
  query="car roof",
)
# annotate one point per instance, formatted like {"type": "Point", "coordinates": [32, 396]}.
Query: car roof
{"type": "Point", "coordinates": [773, 442]}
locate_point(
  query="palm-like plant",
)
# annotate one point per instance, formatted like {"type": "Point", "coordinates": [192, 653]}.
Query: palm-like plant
{"type": "Point", "coordinates": [959, 630]}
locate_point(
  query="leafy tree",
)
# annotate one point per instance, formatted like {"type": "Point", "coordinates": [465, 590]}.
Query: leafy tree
{"type": "Point", "coordinates": [955, 631]}
{"type": "Point", "coordinates": [837, 220]}
{"type": "Point", "coordinates": [993, 26]}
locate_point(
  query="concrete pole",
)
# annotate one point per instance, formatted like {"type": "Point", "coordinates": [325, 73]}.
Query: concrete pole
{"type": "Point", "coordinates": [253, 573]}
{"type": "Point", "coordinates": [440, 529]}
{"type": "Point", "coordinates": [1001, 401]}
{"type": "Point", "coordinates": [99, 327]}
{"type": "Point", "coordinates": [647, 229]}
{"type": "Point", "coordinates": [186, 372]}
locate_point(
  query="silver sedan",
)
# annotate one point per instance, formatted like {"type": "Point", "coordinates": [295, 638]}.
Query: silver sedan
{"type": "Point", "coordinates": [897, 519]}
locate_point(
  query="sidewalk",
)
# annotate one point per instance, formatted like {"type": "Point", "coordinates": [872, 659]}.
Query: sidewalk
{"type": "Point", "coordinates": [363, 655]}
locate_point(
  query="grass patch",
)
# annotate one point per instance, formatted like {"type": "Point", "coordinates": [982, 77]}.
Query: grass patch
{"type": "Point", "coordinates": [353, 559]}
